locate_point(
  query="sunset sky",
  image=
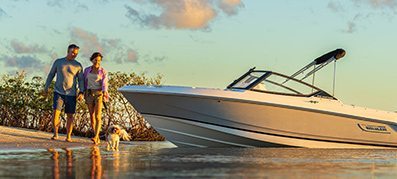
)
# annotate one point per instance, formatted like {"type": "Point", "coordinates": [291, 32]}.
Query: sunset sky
{"type": "Point", "coordinates": [209, 43]}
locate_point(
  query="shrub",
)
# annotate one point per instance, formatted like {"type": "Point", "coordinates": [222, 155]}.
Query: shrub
{"type": "Point", "coordinates": [23, 105]}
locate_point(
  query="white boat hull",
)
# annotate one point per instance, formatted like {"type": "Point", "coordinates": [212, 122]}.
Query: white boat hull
{"type": "Point", "coordinates": [194, 134]}
{"type": "Point", "coordinates": [219, 118]}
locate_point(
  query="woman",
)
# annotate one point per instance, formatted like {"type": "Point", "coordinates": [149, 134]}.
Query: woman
{"type": "Point", "coordinates": [95, 91]}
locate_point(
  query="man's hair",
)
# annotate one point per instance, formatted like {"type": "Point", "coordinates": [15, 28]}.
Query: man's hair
{"type": "Point", "coordinates": [73, 46]}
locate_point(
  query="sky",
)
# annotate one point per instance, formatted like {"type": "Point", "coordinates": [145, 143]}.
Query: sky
{"type": "Point", "coordinates": [210, 43]}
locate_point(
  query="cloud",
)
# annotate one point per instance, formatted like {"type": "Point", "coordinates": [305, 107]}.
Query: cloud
{"type": "Point", "coordinates": [63, 4]}
{"type": "Point", "coordinates": [54, 3]}
{"type": "Point", "coordinates": [351, 27]}
{"type": "Point", "coordinates": [112, 49]}
{"type": "Point", "coordinates": [126, 56]}
{"type": "Point", "coordinates": [379, 3]}
{"type": "Point", "coordinates": [26, 62]}
{"type": "Point", "coordinates": [22, 56]}
{"type": "Point", "coordinates": [2, 13]}
{"type": "Point", "coordinates": [335, 6]}
{"type": "Point", "coordinates": [360, 12]}
{"type": "Point", "coordinates": [132, 56]}
{"type": "Point", "coordinates": [183, 14]}
{"type": "Point", "coordinates": [159, 59]}
{"type": "Point", "coordinates": [54, 56]}
{"type": "Point", "coordinates": [89, 42]}
{"type": "Point", "coordinates": [230, 7]}
{"type": "Point", "coordinates": [151, 60]}
{"type": "Point", "coordinates": [83, 7]}
{"type": "Point", "coordinates": [21, 48]}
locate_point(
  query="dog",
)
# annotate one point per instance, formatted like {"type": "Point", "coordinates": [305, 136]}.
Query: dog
{"type": "Point", "coordinates": [113, 135]}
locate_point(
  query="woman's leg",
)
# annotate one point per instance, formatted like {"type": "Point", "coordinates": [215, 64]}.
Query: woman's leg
{"type": "Point", "coordinates": [91, 110]}
{"type": "Point", "coordinates": [98, 118]}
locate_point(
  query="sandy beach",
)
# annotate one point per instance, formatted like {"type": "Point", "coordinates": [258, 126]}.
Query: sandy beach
{"type": "Point", "coordinates": [12, 138]}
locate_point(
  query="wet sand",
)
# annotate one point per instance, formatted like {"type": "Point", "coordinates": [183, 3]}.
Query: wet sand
{"type": "Point", "coordinates": [12, 138]}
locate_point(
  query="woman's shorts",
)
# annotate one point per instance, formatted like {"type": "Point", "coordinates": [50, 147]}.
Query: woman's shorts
{"type": "Point", "coordinates": [93, 96]}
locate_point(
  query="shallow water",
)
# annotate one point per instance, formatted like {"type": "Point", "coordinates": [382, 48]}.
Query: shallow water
{"type": "Point", "coordinates": [162, 159]}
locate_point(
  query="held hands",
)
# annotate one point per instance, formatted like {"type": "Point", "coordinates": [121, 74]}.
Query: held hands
{"type": "Point", "coordinates": [105, 96]}
{"type": "Point", "coordinates": [80, 97]}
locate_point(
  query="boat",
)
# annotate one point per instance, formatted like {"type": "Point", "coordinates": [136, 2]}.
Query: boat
{"type": "Point", "coordinates": [263, 109]}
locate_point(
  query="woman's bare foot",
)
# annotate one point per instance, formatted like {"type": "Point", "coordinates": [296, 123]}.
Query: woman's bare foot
{"type": "Point", "coordinates": [94, 140]}
{"type": "Point", "coordinates": [68, 140]}
{"type": "Point", "coordinates": [54, 137]}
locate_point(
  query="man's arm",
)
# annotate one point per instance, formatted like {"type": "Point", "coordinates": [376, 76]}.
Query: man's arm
{"type": "Point", "coordinates": [50, 77]}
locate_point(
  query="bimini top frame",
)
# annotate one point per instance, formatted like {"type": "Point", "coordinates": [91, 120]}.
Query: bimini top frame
{"type": "Point", "coordinates": [321, 62]}
{"type": "Point", "coordinates": [271, 82]}
{"type": "Point", "coordinates": [257, 80]}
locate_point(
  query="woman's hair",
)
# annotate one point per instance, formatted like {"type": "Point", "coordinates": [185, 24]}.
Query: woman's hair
{"type": "Point", "coordinates": [94, 55]}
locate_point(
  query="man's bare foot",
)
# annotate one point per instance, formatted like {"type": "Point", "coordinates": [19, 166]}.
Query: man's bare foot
{"type": "Point", "coordinates": [54, 137]}
{"type": "Point", "coordinates": [68, 140]}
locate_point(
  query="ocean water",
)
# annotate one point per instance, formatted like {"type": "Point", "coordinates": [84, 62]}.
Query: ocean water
{"type": "Point", "coordinates": [163, 160]}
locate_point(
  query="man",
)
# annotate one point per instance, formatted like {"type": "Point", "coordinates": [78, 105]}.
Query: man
{"type": "Point", "coordinates": [68, 72]}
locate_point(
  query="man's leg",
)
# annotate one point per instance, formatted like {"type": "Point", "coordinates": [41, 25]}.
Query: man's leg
{"type": "Point", "coordinates": [57, 104]}
{"type": "Point", "coordinates": [69, 126]}
{"type": "Point", "coordinates": [70, 109]}
{"type": "Point", "coordinates": [55, 123]}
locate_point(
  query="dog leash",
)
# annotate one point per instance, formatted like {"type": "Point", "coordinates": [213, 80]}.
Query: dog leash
{"type": "Point", "coordinates": [107, 111]}
{"type": "Point", "coordinates": [104, 105]}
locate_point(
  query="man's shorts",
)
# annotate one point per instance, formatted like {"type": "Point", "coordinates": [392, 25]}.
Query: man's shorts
{"type": "Point", "coordinates": [94, 96]}
{"type": "Point", "coordinates": [69, 101]}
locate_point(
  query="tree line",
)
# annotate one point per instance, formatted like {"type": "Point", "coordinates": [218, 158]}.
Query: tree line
{"type": "Point", "coordinates": [22, 104]}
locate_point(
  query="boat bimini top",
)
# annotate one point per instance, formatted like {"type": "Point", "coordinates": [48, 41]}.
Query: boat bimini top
{"type": "Point", "coordinates": [276, 83]}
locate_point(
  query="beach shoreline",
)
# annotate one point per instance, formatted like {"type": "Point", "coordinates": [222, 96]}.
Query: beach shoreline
{"type": "Point", "coordinates": [14, 138]}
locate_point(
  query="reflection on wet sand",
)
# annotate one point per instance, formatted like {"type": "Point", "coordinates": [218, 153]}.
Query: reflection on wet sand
{"type": "Point", "coordinates": [55, 169]}
{"type": "Point", "coordinates": [96, 171]}
{"type": "Point", "coordinates": [146, 160]}
{"type": "Point", "coordinates": [69, 164]}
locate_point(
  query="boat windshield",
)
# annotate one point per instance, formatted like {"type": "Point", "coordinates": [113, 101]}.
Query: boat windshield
{"type": "Point", "coordinates": [271, 82]}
